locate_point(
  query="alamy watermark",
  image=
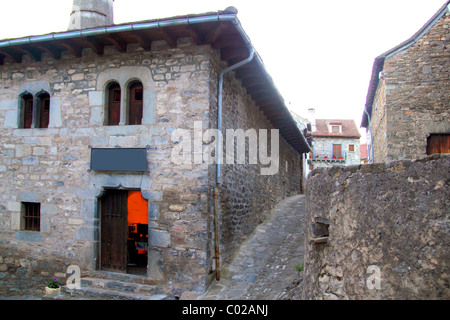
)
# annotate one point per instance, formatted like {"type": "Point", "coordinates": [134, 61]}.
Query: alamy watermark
{"type": "Point", "coordinates": [374, 280]}
{"type": "Point", "coordinates": [206, 147]}
{"type": "Point", "coordinates": [74, 280]}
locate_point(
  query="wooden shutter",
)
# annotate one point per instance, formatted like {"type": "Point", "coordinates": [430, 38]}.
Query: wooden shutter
{"type": "Point", "coordinates": [27, 111]}
{"type": "Point", "coordinates": [337, 150]}
{"type": "Point", "coordinates": [136, 102]}
{"type": "Point", "coordinates": [114, 104]}
{"type": "Point", "coordinates": [438, 143]}
{"type": "Point", "coordinates": [44, 112]}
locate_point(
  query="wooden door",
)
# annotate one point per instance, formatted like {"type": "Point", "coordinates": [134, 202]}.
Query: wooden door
{"type": "Point", "coordinates": [136, 102]}
{"type": "Point", "coordinates": [114, 231]}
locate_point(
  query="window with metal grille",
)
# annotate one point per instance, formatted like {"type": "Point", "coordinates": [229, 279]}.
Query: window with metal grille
{"type": "Point", "coordinates": [31, 216]}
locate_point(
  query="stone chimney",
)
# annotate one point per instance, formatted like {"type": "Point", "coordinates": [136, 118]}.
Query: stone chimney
{"type": "Point", "coordinates": [312, 118]}
{"type": "Point", "coordinates": [91, 14]}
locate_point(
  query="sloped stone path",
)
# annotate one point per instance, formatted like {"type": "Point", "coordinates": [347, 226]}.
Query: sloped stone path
{"type": "Point", "coordinates": [265, 267]}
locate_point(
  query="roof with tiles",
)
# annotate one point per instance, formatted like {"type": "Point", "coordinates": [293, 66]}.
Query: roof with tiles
{"type": "Point", "coordinates": [348, 129]}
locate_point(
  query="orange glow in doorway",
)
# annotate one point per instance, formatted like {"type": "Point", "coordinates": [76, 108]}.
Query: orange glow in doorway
{"type": "Point", "coordinates": [137, 208]}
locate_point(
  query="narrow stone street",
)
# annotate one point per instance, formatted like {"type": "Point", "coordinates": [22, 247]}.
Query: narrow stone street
{"type": "Point", "coordinates": [265, 267]}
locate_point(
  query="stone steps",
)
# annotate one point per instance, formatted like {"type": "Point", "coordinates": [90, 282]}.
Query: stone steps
{"type": "Point", "coordinates": [107, 289]}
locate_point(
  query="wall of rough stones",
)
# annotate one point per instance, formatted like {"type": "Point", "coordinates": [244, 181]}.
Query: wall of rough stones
{"type": "Point", "coordinates": [378, 130]}
{"type": "Point", "coordinates": [416, 96]}
{"type": "Point", "coordinates": [386, 228]}
{"type": "Point", "coordinates": [247, 196]}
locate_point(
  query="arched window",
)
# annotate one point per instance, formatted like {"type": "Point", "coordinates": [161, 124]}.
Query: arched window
{"type": "Point", "coordinates": [26, 120]}
{"type": "Point", "coordinates": [43, 114]}
{"type": "Point", "coordinates": [135, 103]}
{"type": "Point", "coordinates": [113, 110]}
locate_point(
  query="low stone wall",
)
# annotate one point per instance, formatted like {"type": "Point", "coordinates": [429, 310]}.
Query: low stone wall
{"type": "Point", "coordinates": [378, 231]}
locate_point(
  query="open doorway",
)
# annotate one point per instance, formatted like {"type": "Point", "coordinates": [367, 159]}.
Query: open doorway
{"type": "Point", "coordinates": [137, 233]}
{"type": "Point", "coordinates": [124, 232]}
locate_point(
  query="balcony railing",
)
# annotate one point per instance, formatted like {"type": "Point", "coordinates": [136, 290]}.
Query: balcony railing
{"type": "Point", "coordinates": [327, 157]}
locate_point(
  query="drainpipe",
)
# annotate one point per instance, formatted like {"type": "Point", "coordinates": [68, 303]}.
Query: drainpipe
{"type": "Point", "coordinates": [219, 144]}
{"type": "Point", "coordinates": [371, 136]}
{"type": "Point", "coordinates": [219, 108]}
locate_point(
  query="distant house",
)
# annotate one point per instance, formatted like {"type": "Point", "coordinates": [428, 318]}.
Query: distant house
{"type": "Point", "coordinates": [407, 108]}
{"type": "Point", "coordinates": [334, 142]}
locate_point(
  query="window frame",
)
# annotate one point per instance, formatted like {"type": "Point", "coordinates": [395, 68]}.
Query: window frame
{"type": "Point", "coordinates": [31, 216]}
{"type": "Point", "coordinates": [32, 113]}
{"type": "Point", "coordinates": [335, 128]}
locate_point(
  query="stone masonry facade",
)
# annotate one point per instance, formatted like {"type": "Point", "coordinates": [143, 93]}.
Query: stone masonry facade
{"type": "Point", "coordinates": [51, 166]}
{"type": "Point", "coordinates": [412, 100]}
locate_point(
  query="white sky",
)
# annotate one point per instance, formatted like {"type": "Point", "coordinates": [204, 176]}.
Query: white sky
{"type": "Point", "coordinates": [319, 53]}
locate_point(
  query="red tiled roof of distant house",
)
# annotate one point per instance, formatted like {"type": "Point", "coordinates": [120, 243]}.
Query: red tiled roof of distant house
{"type": "Point", "coordinates": [349, 129]}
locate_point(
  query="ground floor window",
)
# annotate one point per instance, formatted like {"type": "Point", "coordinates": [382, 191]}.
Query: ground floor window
{"type": "Point", "coordinates": [31, 216]}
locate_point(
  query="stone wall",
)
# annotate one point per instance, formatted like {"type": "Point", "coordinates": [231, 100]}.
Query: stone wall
{"type": "Point", "coordinates": [378, 131]}
{"type": "Point", "coordinates": [416, 96]}
{"type": "Point", "coordinates": [246, 195]}
{"type": "Point", "coordinates": [378, 231]}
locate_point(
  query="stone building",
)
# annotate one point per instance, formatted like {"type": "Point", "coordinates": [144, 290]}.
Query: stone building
{"type": "Point", "coordinates": [407, 108]}
{"type": "Point", "coordinates": [107, 133]}
{"type": "Point", "coordinates": [334, 143]}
